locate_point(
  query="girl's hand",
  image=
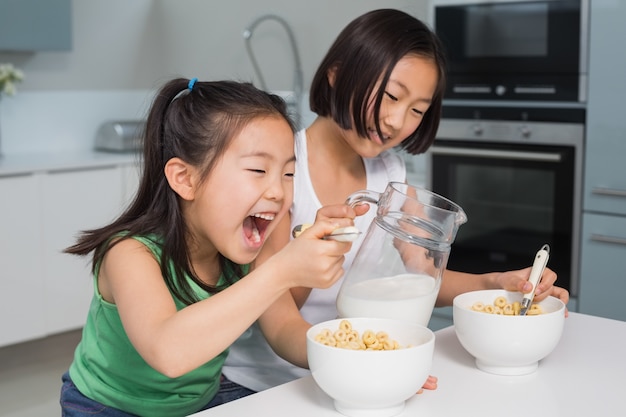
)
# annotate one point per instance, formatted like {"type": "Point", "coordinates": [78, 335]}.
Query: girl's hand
{"type": "Point", "coordinates": [312, 261]}
{"type": "Point", "coordinates": [518, 281]}
{"type": "Point", "coordinates": [431, 383]}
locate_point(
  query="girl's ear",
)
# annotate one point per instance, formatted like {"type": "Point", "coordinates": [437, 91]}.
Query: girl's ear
{"type": "Point", "coordinates": [331, 74]}
{"type": "Point", "coordinates": [180, 178]}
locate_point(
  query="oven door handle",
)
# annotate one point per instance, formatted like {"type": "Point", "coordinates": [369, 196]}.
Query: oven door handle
{"type": "Point", "coordinates": [497, 154]}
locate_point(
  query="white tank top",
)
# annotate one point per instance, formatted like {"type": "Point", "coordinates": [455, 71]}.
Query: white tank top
{"type": "Point", "coordinates": [251, 361]}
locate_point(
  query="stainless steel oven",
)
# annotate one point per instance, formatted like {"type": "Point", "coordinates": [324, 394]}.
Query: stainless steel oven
{"type": "Point", "coordinates": [517, 173]}
{"type": "Point", "coordinates": [514, 49]}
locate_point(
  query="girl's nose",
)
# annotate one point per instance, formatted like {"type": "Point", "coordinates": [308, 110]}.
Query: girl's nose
{"type": "Point", "coordinates": [275, 189]}
{"type": "Point", "coordinates": [395, 117]}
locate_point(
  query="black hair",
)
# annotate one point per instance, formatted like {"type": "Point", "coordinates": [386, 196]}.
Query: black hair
{"type": "Point", "coordinates": [365, 52]}
{"type": "Point", "coordinates": [196, 125]}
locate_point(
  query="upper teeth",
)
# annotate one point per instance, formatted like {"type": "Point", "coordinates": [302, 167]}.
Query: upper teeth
{"type": "Point", "coordinates": [264, 216]}
{"type": "Point", "coordinates": [374, 132]}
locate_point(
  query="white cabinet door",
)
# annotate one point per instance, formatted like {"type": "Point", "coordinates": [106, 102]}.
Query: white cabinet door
{"type": "Point", "coordinates": [74, 201]}
{"type": "Point", "coordinates": [21, 280]}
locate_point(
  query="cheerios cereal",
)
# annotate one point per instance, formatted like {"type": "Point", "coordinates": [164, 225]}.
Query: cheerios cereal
{"type": "Point", "coordinates": [347, 338]}
{"type": "Point", "coordinates": [502, 306]}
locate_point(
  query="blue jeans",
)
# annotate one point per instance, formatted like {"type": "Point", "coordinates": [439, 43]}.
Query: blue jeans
{"type": "Point", "coordinates": [229, 391]}
{"type": "Point", "coordinates": [75, 404]}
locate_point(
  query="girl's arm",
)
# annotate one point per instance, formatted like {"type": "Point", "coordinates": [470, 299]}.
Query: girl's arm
{"type": "Point", "coordinates": [285, 330]}
{"type": "Point", "coordinates": [455, 283]}
{"type": "Point", "coordinates": [176, 342]}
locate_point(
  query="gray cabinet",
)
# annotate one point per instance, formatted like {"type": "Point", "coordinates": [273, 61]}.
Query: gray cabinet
{"type": "Point", "coordinates": [605, 177]}
{"type": "Point", "coordinates": [35, 25]}
{"type": "Point", "coordinates": [603, 260]}
{"type": "Point", "coordinates": [603, 266]}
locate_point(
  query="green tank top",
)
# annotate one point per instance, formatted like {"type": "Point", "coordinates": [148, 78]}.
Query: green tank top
{"type": "Point", "coordinates": [108, 369]}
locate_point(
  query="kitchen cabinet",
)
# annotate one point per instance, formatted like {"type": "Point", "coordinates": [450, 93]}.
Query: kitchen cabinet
{"type": "Point", "coordinates": [35, 25]}
{"type": "Point", "coordinates": [605, 177]}
{"type": "Point", "coordinates": [603, 245]}
{"type": "Point", "coordinates": [43, 290]}
{"type": "Point", "coordinates": [441, 318]}
{"type": "Point", "coordinates": [73, 201]}
{"type": "Point", "coordinates": [21, 281]}
{"type": "Point", "coordinates": [603, 266]}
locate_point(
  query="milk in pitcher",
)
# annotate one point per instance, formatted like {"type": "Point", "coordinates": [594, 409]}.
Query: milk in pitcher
{"type": "Point", "coordinates": [408, 297]}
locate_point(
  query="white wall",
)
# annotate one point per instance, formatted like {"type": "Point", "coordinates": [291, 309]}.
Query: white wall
{"type": "Point", "coordinates": [123, 50]}
{"type": "Point", "coordinates": [121, 44]}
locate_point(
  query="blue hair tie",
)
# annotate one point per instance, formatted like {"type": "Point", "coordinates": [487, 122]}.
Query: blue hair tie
{"type": "Point", "coordinates": [186, 91]}
{"type": "Point", "coordinates": [192, 82]}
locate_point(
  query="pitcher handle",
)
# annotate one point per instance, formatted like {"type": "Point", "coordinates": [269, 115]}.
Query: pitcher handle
{"type": "Point", "coordinates": [363, 196]}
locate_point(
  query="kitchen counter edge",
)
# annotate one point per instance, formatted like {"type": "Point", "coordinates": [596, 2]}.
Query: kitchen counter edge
{"type": "Point", "coordinates": [29, 163]}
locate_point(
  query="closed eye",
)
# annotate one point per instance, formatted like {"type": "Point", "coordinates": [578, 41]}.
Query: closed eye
{"type": "Point", "coordinates": [391, 96]}
{"type": "Point", "coordinates": [258, 171]}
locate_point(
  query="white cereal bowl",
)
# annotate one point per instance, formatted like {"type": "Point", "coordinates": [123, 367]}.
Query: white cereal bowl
{"type": "Point", "coordinates": [364, 383]}
{"type": "Point", "coordinates": [504, 344]}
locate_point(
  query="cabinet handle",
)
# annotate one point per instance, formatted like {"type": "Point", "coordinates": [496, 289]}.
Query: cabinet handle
{"type": "Point", "coordinates": [608, 239]}
{"type": "Point", "coordinates": [496, 154]}
{"type": "Point", "coordinates": [613, 192]}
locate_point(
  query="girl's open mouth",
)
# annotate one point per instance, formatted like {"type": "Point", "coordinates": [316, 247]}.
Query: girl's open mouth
{"type": "Point", "coordinates": [373, 134]}
{"type": "Point", "coordinates": [255, 225]}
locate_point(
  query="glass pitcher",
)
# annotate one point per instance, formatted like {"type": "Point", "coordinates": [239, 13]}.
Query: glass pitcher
{"type": "Point", "coordinates": [397, 271]}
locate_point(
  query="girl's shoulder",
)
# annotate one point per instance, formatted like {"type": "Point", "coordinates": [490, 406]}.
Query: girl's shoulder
{"type": "Point", "coordinates": [152, 242]}
{"type": "Point", "coordinates": [125, 256]}
{"type": "Point", "coordinates": [141, 245]}
{"type": "Point", "coordinates": [149, 243]}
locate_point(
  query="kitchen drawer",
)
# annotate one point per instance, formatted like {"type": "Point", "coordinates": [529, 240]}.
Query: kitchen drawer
{"type": "Point", "coordinates": [605, 172]}
{"type": "Point", "coordinates": [603, 266]}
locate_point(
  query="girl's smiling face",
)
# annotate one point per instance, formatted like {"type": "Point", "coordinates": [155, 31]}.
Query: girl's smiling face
{"type": "Point", "coordinates": [246, 193]}
{"type": "Point", "coordinates": [408, 95]}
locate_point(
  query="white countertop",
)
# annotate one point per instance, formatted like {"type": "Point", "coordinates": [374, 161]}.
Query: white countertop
{"type": "Point", "coordinates": [20, 164]}
{"type": "Point", "coordinates": [584, 376]}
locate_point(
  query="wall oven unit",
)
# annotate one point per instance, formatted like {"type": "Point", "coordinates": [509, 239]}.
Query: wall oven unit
{"type": "Point", "coordinates": [514, 49]}
{"type": "Point", "coordinates": [517, 174]}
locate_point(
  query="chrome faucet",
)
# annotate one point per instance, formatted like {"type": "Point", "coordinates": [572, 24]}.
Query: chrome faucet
{"type": "Point", "coordinates": [297, 80]}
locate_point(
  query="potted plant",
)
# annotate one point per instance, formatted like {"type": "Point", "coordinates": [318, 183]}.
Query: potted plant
{"type": "Point", "coordinates": [9, 76]}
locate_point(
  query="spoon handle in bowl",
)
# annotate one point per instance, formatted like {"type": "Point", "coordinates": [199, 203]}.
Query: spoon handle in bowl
{"type": "Point", "coordinates": [539, 265]}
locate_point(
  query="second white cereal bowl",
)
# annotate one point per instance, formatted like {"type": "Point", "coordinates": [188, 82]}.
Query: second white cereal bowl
{"type": "Point", "coordinates": [364, 383]}
{"type": "Point", "coordinates": [507, 344]}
